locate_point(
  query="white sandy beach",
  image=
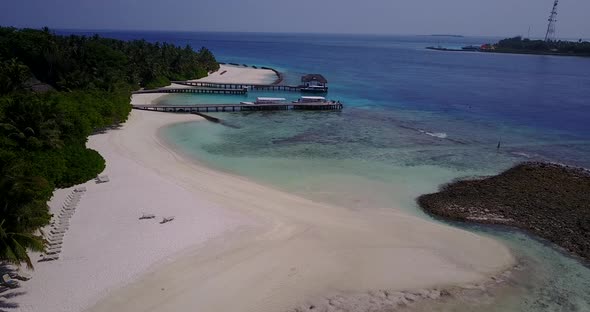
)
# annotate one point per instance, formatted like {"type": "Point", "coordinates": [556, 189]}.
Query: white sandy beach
{"type": "Point", "coordinates": [235, 245]}
{"type": "Point", "coordinates": [240, 74]}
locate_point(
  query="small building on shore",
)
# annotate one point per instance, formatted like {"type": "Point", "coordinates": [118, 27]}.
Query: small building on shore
{"type": "Point", "coordinates": [314, 83]}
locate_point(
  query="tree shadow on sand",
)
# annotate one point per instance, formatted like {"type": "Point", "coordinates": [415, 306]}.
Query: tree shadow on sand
{"type": "Point", "coordinates": [6, 296]}
{"type": "Point", "coordinates": [6, 293]}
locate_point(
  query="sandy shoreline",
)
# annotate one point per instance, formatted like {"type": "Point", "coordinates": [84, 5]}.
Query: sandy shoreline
{"type": "Point", "coordinates": [235, 245]}
{"type": "Point", "coordinates": [297, 250]}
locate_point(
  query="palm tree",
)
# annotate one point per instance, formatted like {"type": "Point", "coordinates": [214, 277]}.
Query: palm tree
{"type": "Point", "coordinates": [14, 247]}
{"type": "Point", "coordinates": [30, 123]}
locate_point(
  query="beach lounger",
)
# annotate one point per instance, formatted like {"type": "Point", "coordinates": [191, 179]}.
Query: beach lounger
{"type": "Point", "coordinates": [57, 231]}
{"type": "Point", "coordinates": [70, 205]}
{"type": "Point", "coordinates": [53, 252]}
{"type": "Point", "coordinates": [66, 213]}
{"type": "Point", "coordinates": [55, 244]}
{"type": "Point", "coordinates": [63, 220]}
{"type": "Point", "coordinates": [74, 196]}
{"type": "Point", "coordinates": [80, 189]}
{"type": "Point", "coordinates": [102, 179]}
{"type": "Point", "coordinates": [166, 220]}
{"type": "Point", "coordinates": [49, 258]}
{"type": "Point", "coordinates": [20, 275]}
{"type": "Point", "coordinates": [55, 237]}
{"type": "Point", "coordinates": [147, 216]}
{"type": "Point", "coordinates": [9, 282]}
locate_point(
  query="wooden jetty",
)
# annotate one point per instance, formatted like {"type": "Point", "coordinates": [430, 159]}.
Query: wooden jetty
{"type": "Point", "coordinates": [330, 106]}
{"type": "Point", "coordinates": [230, 86]}
{"type": "Point", "coordinates": [235, 91]}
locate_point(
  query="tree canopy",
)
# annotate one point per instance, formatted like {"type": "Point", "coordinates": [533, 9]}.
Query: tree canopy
{"type": "Point", "coordinates": [55, 91]}
{"type": "Point", "coordinates": [520, 45]}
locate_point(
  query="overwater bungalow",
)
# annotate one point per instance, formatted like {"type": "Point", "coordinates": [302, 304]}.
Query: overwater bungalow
{"type": "Point", "coordinates": [266, 100]}
{"type": "Point", "coordinates": [315, 83]}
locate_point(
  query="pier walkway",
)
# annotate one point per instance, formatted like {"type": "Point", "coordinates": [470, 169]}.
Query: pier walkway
{"type": "Point", "coordinates": [230, 86]}
{"type": "Point", "coordinates": [195, 90]}
{"type": "Point", "coordinates": [240, 107]}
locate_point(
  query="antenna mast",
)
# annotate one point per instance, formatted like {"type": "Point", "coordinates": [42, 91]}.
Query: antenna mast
{"type": "Point", "coordinates": [550, 35]}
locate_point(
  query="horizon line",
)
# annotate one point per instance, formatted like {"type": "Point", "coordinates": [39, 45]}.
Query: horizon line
{"type": "Point", "coordinates": [285, 32]}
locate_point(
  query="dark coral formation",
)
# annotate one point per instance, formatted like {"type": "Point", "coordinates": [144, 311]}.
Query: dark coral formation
{"type": "Point", "coordinates": [549, 200]}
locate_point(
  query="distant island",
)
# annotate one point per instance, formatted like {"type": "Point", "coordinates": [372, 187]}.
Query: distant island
{"type": "Point", "coordinates": [518, 45]}
{"type": "Point", "coordinates": [528, 46]}
{"type": "Point", "coordinates": [548, 200]}
{"type": "Point", "coordinates": [447, 35]}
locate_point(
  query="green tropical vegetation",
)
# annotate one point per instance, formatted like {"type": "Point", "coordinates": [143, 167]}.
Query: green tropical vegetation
{"type": "Point", "coordinates": [520, 45]}
{"type": "Point", "coordinates": [55, 91]}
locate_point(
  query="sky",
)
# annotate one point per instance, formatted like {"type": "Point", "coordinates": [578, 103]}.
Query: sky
{"type": "Point", "coordinates": [416, 17]}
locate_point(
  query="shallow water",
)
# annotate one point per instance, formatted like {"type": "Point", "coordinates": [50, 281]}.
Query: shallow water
{"type": "Point", "coordinates": [414, 119]}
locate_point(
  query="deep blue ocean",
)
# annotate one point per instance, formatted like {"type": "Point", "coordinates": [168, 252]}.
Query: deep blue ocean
{"type": "Point", "coordinates": [414, 119]}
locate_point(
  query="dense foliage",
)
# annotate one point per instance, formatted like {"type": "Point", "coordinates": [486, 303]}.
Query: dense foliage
{"type": "Point", "coordinates": [518, 44]}
{"type": "Point", "coordinates": [86, 84]}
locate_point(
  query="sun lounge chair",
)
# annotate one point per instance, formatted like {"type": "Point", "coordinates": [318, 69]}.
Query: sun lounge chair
{"type": "Point", "coordinates": [102, 178]}
{"type": "Point", "coordinates": [80, 189]}
{"type": "Point", "coordinates": [147, 216]}
{"type": "Point", "coordinates": [9, 282]}
{"type": "Point", "coordinates": [66, 213]}
{"type": "Point", "coordinates": [166, 220]}
{"type": "Point", "coordinates": [20, 275]}
{"type": "Point", "coordinates": [54, 244]}
{"type": "Point", "coordinates": [57, 231]}
{"type": "Point", "coordinates": [53, 252]}
{"type": "Point", "coordinates": [53, 249]}
{"type": "Point", "coordinates": [72, 202]}
{"type": "Point", "coordinates": [55, 237]}
{"type": "Point", "coordinates": [76, 196]}
{"type": "Point", "coordinates": [61, 227]}
{"type": "Point", "coordinates": [49, 258]}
